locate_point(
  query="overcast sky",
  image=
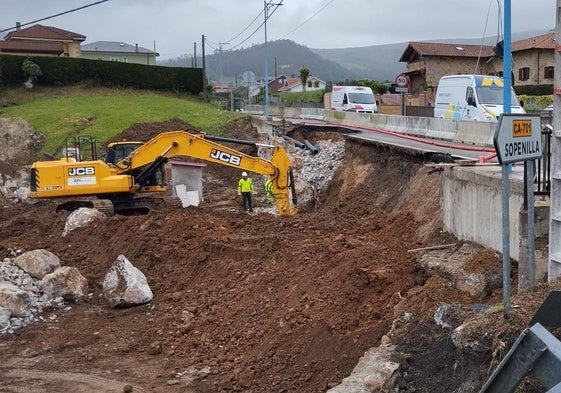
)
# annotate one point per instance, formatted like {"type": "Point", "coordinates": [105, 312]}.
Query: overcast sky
{"type": "Point", "coordinates": [175, 25]}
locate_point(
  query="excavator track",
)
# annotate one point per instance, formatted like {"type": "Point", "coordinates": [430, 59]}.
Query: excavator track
{"type": "Point", "coordinates": [110, 207]}
{"type": "Point", "coordinates": [103, 205]}
{"type": "Point", "coordinates": [134, 205]}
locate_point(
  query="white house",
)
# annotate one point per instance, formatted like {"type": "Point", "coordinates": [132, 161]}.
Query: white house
{"type": "Point", "coordinates": [119, 51]}
{"type": "Point", "coordinates": [293, 85]}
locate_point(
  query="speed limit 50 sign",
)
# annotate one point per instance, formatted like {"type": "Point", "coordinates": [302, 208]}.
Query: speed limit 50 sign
{"type": "Point", "coordinates": [401, 80]}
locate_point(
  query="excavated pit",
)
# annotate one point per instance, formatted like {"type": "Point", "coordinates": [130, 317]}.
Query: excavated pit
{"type": "Point", "coordinates": [254, 303]}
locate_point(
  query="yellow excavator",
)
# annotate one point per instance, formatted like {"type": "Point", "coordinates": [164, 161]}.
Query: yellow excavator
{"type": "Point", "coordinates": [132, 170]}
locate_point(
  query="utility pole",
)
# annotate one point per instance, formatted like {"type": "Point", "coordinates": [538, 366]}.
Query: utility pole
{"type": "Point", "coordinates": [205, 91]}
{"type": "Point", "coordinates": [266, 12]}
{"type": "Point", "coordinates": [195, 54]}
{"type": "Point", "coordinates": [220, 59]}
{"type": "Point", "coordinates": [554, 266]}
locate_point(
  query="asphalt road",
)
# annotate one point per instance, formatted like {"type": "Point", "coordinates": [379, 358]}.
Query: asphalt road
{"type": "Point", "coordinates": [456, 150]}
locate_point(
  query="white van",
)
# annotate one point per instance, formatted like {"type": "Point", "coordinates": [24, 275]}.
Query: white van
{"type": "Point", "coordinates": [353, 99]}
{"type": "Point", "coordinates": [472, 97]}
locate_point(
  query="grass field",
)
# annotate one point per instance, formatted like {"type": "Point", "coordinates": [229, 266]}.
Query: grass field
{"type": "Point", "coordinates": [102, 113]}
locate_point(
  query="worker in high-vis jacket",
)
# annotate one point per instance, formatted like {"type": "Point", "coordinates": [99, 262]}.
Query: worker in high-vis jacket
{"type": "Point", "coordinates": [245, 187]}
{"type": "Point", "coordinates": [269, 191]}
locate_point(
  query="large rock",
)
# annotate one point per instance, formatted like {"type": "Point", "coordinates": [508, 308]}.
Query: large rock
{"type": "Point", "coordinates": [38, 263]}
{"type": "Point", "coordinates": [471, 338]}
{"type": "Point", "coordinates": [462, 268]}
{"type": "Point", "coordinates": [15, 300]}
{"type": "Point", "coordinates": [125, 286]}
{"type": "Point", "coordinates": [17, 136]}
{"type": "Point", "coordinates": [65, 282]}
{"type": "Point", "coordinates": [4, 319]}
{"type": "Point", "coordinates": [373, 373]}
{"type": "Point", "coordinates": [81, 217]}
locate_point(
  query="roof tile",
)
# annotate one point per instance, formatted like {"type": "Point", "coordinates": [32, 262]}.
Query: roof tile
{"type": "Point", "coordinates": [44, 32]}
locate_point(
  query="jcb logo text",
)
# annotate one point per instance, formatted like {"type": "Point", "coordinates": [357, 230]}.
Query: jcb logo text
{"type": "Point", "coordinates": [225, 157]}
{"type": "Point", "coordinates": [81, 171]}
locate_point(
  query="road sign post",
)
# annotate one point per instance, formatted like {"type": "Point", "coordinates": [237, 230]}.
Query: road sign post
{"type": "Point", "coordinates": [401, 83]}
{"type": "Point", "coordinates": [517, 138]}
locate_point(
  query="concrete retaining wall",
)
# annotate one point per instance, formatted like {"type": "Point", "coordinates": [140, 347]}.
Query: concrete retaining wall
{"type": "Point", "coordinates": [471, 132]}
{"type": "Point", "coordinates": [471, 201]}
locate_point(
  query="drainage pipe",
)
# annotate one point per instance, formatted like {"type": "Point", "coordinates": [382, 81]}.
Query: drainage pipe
{"type": "Point", "coordinates": [311, 147]}
{"type": "Point", "coordinates": [294, 141]}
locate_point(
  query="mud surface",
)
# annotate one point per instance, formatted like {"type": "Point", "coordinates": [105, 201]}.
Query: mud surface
{"type": "Point", "coordinates": [253, 303]}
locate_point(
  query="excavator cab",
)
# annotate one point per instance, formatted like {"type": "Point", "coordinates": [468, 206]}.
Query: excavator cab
{"type": "Point", "coordinates": [116, 151]}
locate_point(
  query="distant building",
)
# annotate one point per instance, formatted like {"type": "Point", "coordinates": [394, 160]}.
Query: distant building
{"type": "Point", "coordinates": [294, 85]}
{"type": "Point", "coordinates": [532, 59]}
{"type": "Point", "coordinates": [119, 51]}
{"type": "Point", "coordinates": [277, 83]}
{"type": "Point", "coordinates": [39, 40]}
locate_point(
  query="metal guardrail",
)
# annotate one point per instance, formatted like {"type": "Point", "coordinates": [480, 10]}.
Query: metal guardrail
{"type": "Point", "coordinates": [543, 165]}
{"type": "Point", "coordinates": [535, 354]}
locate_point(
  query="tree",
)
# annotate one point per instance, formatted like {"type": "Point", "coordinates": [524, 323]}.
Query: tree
{"type": "Point", "coordinates": [304, 73]}
{"type": "Point", "coordinates": [31, 71]}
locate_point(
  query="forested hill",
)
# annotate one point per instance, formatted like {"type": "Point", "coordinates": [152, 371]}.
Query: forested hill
{"type": "Point", "coordinates": [286, 57]}
{"type": "Point", "coordinates": [378, 62]}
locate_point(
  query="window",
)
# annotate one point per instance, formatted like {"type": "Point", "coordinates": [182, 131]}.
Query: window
{"type": "Point", "coordinates": [470, 96]}
{"type": "Point", "coordinates": [524, 73]}
{"type": "Point", "coordinates": [309, 83]}
{"type": "Point", "coordinates": [548, 72]}
{"type": "Point", "coordinates": [316, 84]}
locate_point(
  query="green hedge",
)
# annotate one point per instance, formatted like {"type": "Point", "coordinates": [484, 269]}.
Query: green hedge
{"type": "Point", "coordinates": [64, 71]}
{"type": "Point", "coordinates": [289, 99]}
{"type": "Point", "coordinates": [533, 90]}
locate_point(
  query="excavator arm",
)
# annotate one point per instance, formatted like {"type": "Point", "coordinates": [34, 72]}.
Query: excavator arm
{"type": "Point", "coordinates": [119, 179]}
{"type": "Point", "coordinates": [153, 154]}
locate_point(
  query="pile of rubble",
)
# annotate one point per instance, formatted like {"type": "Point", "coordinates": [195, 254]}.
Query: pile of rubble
{"type": "Point", "coordinates": [34, 282]}
{"type": "Point", "coordinates": [314, 171]}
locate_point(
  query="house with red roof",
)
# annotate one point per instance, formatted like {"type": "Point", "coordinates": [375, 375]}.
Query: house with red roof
{"type": "Point", "coordinates": [293, 85]}
{"type": "Point", "coordinates": [39, 40]}
{"type": "Point", "coordinates": [532, 60]}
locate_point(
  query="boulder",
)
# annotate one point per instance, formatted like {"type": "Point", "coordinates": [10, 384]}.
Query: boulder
{"type": "Point", "coordinates": [374, 372]}
{"type": "Point", "coordinates": [17, 136]}
{"type": "Point", "coordinates": [15, 300]}
{"type": "Point", "coordinates": [65, 282]}
{"type": "Point", "coordinates": [125, 286]}
{"type": "Point", "coordinates": [81, 217]}
{"type": "Point", "coordinates": [4, 319]}
{"type": "Point", "coordinates": [38, 263]}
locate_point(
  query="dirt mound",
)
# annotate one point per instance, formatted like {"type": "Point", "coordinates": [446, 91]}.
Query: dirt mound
{"type": "Point", "coordinates": [257, 303]}
{"type": "Point", "coordinates": [143, 132]}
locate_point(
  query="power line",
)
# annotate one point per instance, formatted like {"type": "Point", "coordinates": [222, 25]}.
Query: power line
{"type": "Point", "coordinates": [258, 27]}
{"type": "Point", "coordinates": [307, 20]}
{"type": "Point", "coordinates": [54, 16]}
{"type": "Point", "coordinates": [247, 27]}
